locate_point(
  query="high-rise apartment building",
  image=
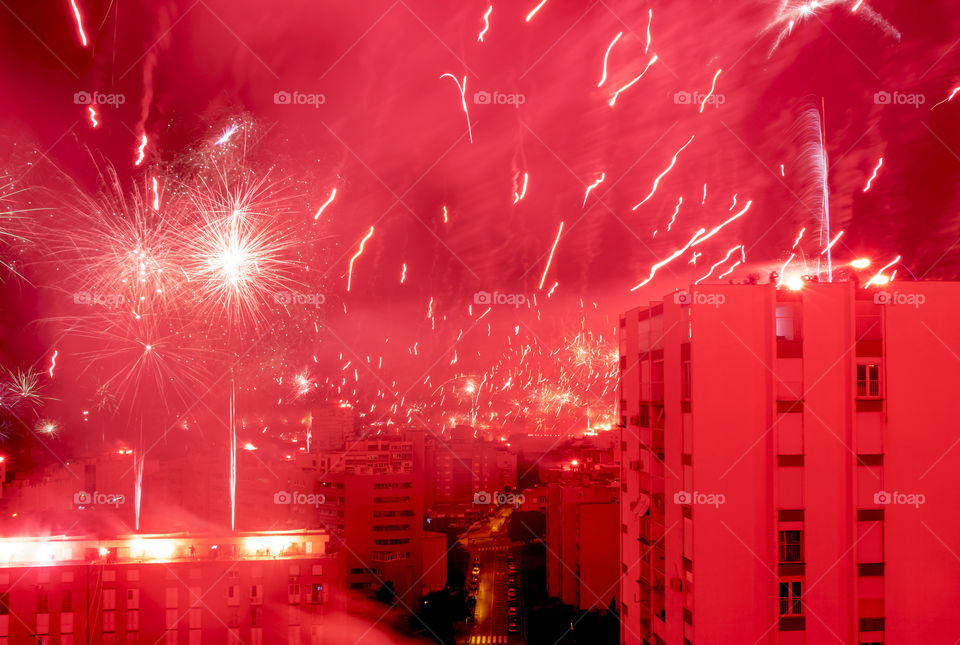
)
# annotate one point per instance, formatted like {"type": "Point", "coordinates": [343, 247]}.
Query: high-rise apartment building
{"type": "Point", "coordinates": [789, 467]}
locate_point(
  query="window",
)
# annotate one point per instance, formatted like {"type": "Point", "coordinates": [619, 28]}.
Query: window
{"type": "Point", "coordinates": [133, 599]}
{"type": "Point", "coordinates": [43, 603]}
{"type": "Point", "coordinates": [868, 380]}
{"type": "Point", "coordinates": [791, 546]}
{"type": "Point", "coordinates": [790, 593]}
{"type": "Point", "coordinates": [66, 602]}
{"type": "Point", "coordinates": [786, 323]}
{"type": "Point", "coordinates": [685, 380]}
{"type": "Point", "coordinates": [316, 593]}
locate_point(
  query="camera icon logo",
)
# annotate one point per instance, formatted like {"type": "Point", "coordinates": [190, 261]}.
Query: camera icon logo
{"type": "Point", "coordinates": [82, 298]}
{"type": "Point", "coordinates": [282, 98]}
{"type": "Point", "coordinates": [881, 497]}
{"type": "Point", "coordinates": [482, 98]}
{"type": "Point", "coordinates": [482, 497]}
{"type": "Point", "coordinates": [682, 298]}
{"type": "Point", "coordinates": [682, 98]}
{"type": "Point", "coordinates": [282, 497]}
{"type": "Point", "coordinates": [881, 98]}
{"type": "Point", "coordinates": [482, 298]}
{"type": "Point", "coordinates": [881, 298]}
{"type": "Point", "coordinates": [282, 297]}
{"type": "Point", "coordinates": [82, 498]}
{"type": "Point", "coordinates": [682, 497]}
{"type": "Point", "coordinates": [82, 98]}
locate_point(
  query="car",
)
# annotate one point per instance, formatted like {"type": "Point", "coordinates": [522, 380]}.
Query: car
{"type": "Point", "coordinates": [476, 569]}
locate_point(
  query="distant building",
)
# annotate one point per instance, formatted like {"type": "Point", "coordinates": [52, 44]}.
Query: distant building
{"type": "Point", "coordinates": [787, 465]}
{"type": "Point", "coordinates": [331, 426]}
{"type": "Point", "coordinates": [177, 589]}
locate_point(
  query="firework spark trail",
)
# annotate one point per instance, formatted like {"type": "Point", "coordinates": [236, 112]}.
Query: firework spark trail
{"type": "Point", "coordinates": [734, 204]}
{"type": "Point", "coordinates": [719, 227]}
{"type": "Point", "coordinates": [356, 255]}
{"type": "Point", "coordinates": [523, 191]}
{"type": "Point", "coordinates": [673, 256]}
{"type": "Point", "coordinates": [730, 270]}
{"type": "Point", "coordinates": [141, 151]}
{"type": "Point", "coordinates": [229, 132]}
{"type": "Point", "coordinates": [874, 175]}
{"type": "Point", "coordinates": [799, 237]}
{"type": "Point", "coordinates": [649, 22]}
{"type": "Point", "coordinates": [603, 176]}
{"type": "Point", "coordinates": [713, 268]}
{"type": "Point", "coordinates": [92, 111]}
{"type": "Point", "coordinates": [856, 6]}
{"type": "Point", "coordinates": [446, 219]}
{"type": "Point", "coordinates": [790, 14]}
{"type": "Point", "coordinates": [550, 258]}
{"type": "Point", "coordinates": [403, 273]}
{"type": "Point", "coordinates": [603, 77]}
{"type": "Point", "coordinates": [486, 23]}
{"type": "Point", "coordinates": [782, 171]}
{"type": "Point", "coordinates": [713, 85]}
{"type": "Point", "coordinates": [79, 20]}
{"type": "Point", "coordinates": [676, 211]}
{"type": "Point", "coordinates": [613, 99]}
{"type": "Point", "coordinates": [463, 100]}
{"type": "Point", "coordinates": [552, 289]}
{"type": "Point", "coordinates": [333, 193]}
{"type": "Point", "coordinates": [156, 193]}
{"type": "Point", "coordinates": [948, 99]}
{"type": "Point", "coordinates": [879, 278]}
{"type": "Point", "coordinates": [656, 182]}
{"type": "Point", "coordinates": [832, 242]}
{"type": "Point", "coordinates": [534, 11]}
{"type": "Point", "coordinates": [53, 362]}
{"type": "Point", "coordinates": [704, 200]}
{"type": "Point", "coordinates": [784, 268]}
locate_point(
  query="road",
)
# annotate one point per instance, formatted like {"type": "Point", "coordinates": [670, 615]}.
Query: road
{"type": "Point", "coordinates": [492, 545]}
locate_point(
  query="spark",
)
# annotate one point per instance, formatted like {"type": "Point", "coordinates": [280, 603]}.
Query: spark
{"type": "Point", "coordinates": [734, 204]}
{"type": "Point", "coordinates": [535, 10]}
{"type": "Point", "coordinates": [713, 85]}
{"type": "Point", "coordinates": [550, 258]}
{"type": "Point", "coordinates": [333, 193]}
{"type": "Point", "coordinates": [874, 175]}
{"type": "Point", "coordinates": [704, 200]}
{"type": "Point", "coordinates": [729, 271]}
{"type": "Point", "coordinates": [552, 289]}
{"type": "Point", "coordinates": [860, 263]}
{"type": "Point", "coordinates": [880, 278]}
{"type": "Point", "coordinates": [673, 256]}
{"type": "Point", "coordinates": [795, 283]}
{"type": "Point", "coordinates": [613, 99]}
{"type": "Point", "coordinates": [784, 268]}
{"type": "Point", "coordinates": [832, 242]}
{"type": "Point", "coordinates": [523, 191]}
{"type": "Point", "coordinates": [676, 211]}
{"type": "Point", "coordinates": [799, 237]}
{"type": "Point", "coordinates": [463, 100]}
{"type": "Point", "coordinates": [156, 194]}
{"type": "Point", "coordinates": [603, 176]}
{"type": "Point", "coordinates": [445, 218]}
{"type": "Point", "coordinates": [93, 116]}
{"type": "Point", "coordinates": [486, 23]}
{"type": "Point", "coordinates": [403, 273]}
{"type": "Point", "coordinates": [713, 268]}
{"type": "Point", "coordinates": [949, 98]}
{"type": "Point", "coordinates": [603, 77]}
{"type": "Point", "coordinates": [717, 229]}
{"type": "Point", "coordinates": [53, 362]}
{"type": "Point", "coordinates": [47, 426]}
{"type": "Point", "coordinates": [856, 6]}
{"type": "Point", "coordinates": [141, 150]}
{"type": "Point", "coordinates": [649, 21]}
{"type": "Point", "coordinates": [226, 135]}
{"type": "Point", "coordinates": [782, 172]}
{"type": "Point", "coordinates": [356, 255]}
{"type": "Point", "coordinates": [656, 182]}
{"type": "Point", "coordinates": [79, 19]}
